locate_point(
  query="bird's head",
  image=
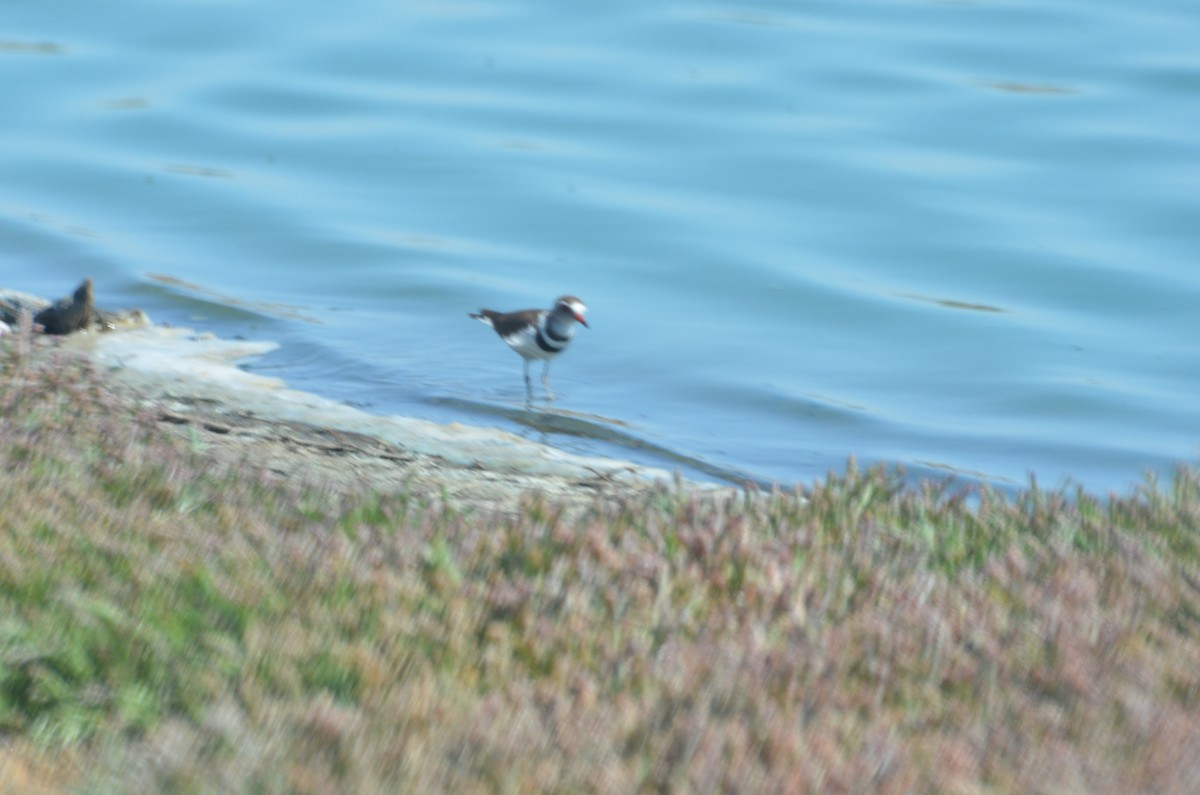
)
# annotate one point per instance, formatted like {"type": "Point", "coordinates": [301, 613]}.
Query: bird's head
{"type": "Point", "coordinates": [571, 306]}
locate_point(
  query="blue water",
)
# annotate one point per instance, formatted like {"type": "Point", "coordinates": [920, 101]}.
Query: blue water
{"type": "Point", "coordinates": [962, 236]}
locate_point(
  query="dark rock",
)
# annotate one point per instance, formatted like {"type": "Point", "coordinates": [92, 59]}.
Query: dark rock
{"type": "Point", "coordinates": [69, 314]}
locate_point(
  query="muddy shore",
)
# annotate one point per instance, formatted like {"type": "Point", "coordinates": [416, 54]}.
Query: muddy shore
{"type": "Point", "coordinates": [196, 386]}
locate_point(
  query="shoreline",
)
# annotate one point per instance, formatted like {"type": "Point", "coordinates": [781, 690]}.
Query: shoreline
{"type": "Point", "coordinates": [192, 383]}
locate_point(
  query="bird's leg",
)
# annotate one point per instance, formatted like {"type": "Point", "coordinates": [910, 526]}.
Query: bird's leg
{"type": "Point", "coordinates": [528, 383]}
{"type": "Point", "coordinates": [546, 381]}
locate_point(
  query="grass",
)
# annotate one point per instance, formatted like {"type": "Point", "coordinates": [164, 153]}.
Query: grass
{"type": "Point", "coordinates": [168, 626]}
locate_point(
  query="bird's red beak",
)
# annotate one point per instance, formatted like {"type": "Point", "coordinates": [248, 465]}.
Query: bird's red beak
{"type": "Point", "coordinates": [579, 317]}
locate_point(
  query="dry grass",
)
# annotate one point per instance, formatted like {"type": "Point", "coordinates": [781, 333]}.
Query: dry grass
{"type": "Point", "coordinates": [172, 629]}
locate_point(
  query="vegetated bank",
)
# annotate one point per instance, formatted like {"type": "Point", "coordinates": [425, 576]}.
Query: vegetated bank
{"type": "Point", "coordinates": [173, 621]}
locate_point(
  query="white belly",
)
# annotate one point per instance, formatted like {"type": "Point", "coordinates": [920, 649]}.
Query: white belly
{"type": "Point", "coordinates": [524, 342]}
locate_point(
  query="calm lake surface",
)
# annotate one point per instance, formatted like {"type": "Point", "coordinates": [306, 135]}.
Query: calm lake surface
{"type": "Point", "coordinates": [962, 236]}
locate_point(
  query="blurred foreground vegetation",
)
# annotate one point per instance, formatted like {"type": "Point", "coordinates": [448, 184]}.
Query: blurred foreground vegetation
{"type": "Point", "coordinates": [168, 626]}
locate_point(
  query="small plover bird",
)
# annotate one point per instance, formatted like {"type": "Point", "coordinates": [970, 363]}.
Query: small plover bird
{"type": "Point", "coordinates": [537, 333]}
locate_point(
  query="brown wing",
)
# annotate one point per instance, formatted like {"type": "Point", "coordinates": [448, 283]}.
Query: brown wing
{"type": "Point", "coordinates": [509, 323]}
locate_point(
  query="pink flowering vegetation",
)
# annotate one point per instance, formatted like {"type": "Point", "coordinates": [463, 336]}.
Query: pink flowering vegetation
{"type": "Point", "coordinates": [173, 626]}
